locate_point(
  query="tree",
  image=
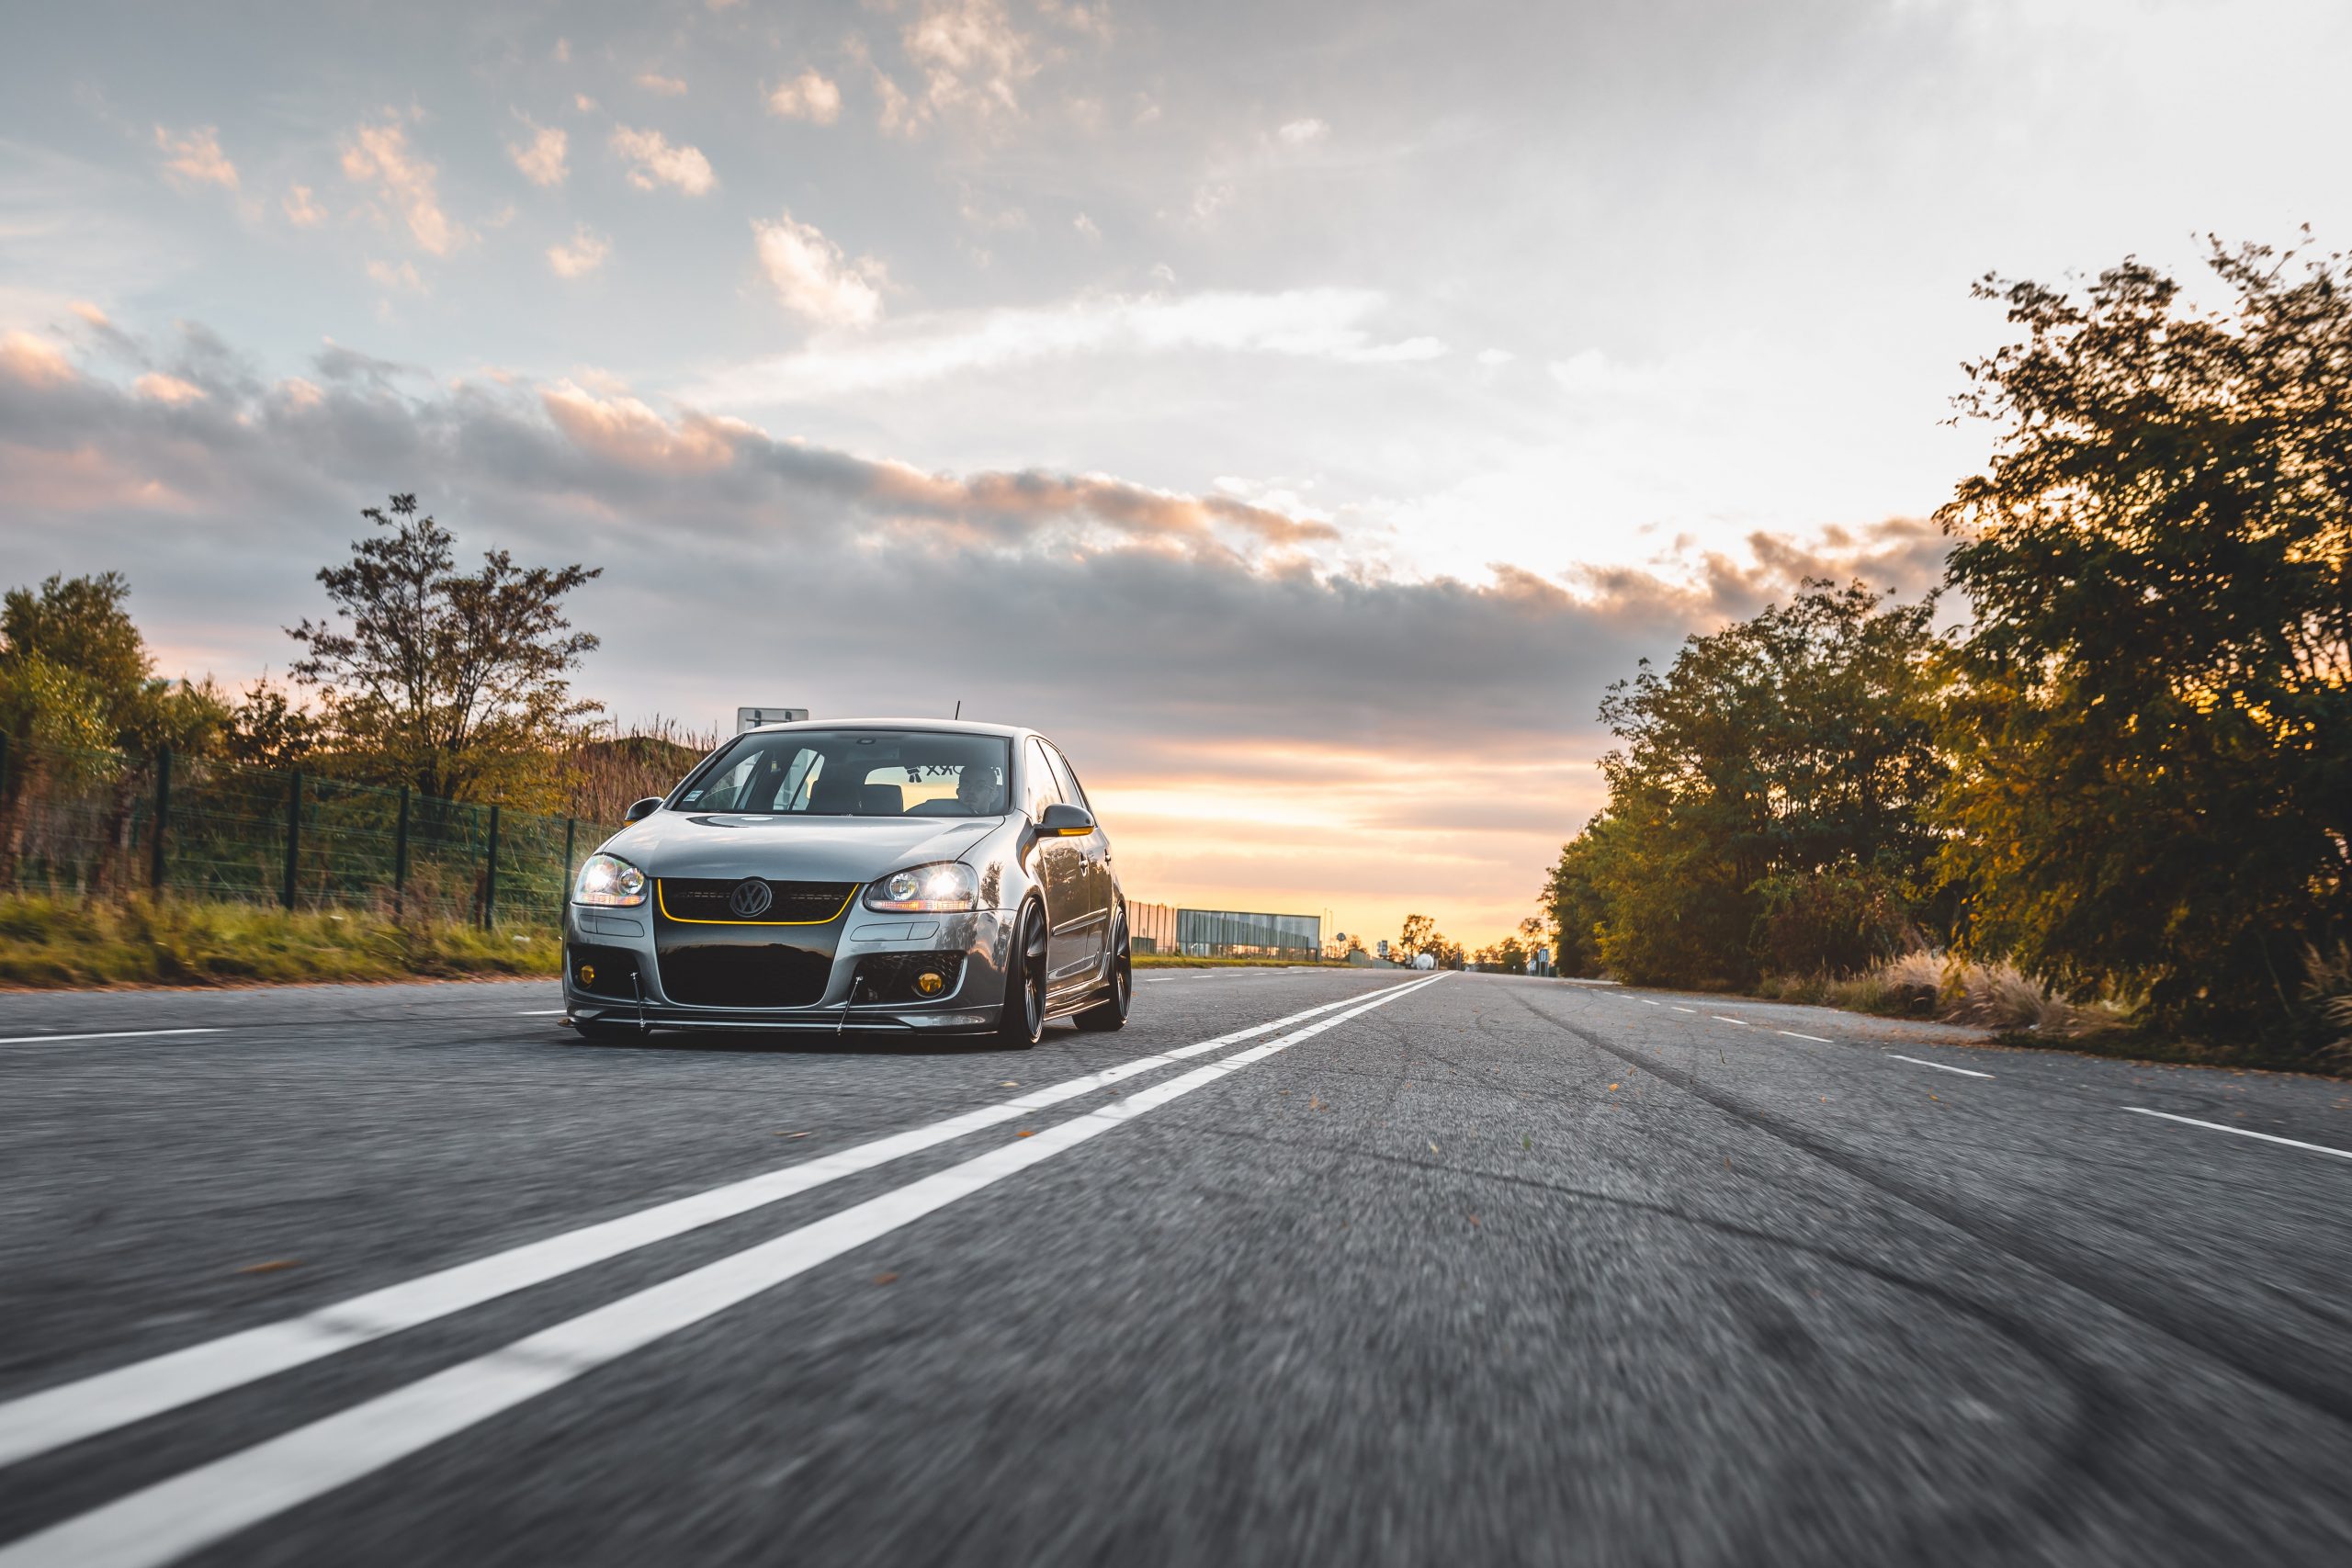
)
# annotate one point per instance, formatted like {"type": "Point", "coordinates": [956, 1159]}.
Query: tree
{"type": "Point", "coordinates": [268, 730]}
{"type": "Point", "coordinates": [1574, 902]}
{"type": "Point", "coordinates": [1419, 933]}
{"type": "Point", "coordinates": [2154, 699]}
{"type": "Point", "coordinates": [1796, 745]}
{"type": "Point", "coordinates": [458, 684]}
{"type": "Point", "coordinates": [77, 685]}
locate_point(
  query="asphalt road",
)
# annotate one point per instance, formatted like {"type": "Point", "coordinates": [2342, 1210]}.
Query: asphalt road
{"type": "Point", "coordinates": [1482, 1271]}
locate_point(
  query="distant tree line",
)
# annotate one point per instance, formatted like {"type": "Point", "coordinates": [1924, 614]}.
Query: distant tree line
{"type": "Point", "coordinates": [2129, 772]}
{"type": "Point", "coordinates": [453, 682]}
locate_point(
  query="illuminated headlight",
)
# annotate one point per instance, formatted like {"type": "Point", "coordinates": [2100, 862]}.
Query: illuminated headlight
{"type": "Point", "coordinates": [944, 886]}
{"type": "Point", "coordinates": [608, 879]}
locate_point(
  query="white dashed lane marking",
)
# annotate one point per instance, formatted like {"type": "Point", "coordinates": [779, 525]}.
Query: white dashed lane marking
{"type": "Point", "coordinates": [112, 1034]}
{"type": "Point", "coordinates": [2241, 1132]}
{"type": "Point", "coordinates": [1793, 1034]}
{"type": "Point", "coordinates": [1921, 1062]}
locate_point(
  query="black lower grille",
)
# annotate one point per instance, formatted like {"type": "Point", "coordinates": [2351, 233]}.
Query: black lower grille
{"type": "Point", "coordinates": [890, 977]}
{"type": "Point", "coordinates": [789, 903]}
{"type": "Point", "coordinates": [745, 975]}
{"type": "Point", "coordinates": [603, 971]}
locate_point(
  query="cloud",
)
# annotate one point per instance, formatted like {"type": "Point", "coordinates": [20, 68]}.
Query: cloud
{"type": "Point", "coordinates": [1319, 323]}
{"type": "Point", "coordinates": [581, 255]}
{"type": "Point", "coordinates": [813, 278]}
{"type": "Point", "coordinates": [32, 363]}
{"type": "Point", "coordinates": [973, 60]}
{"type": "Point", "coordinates": [379, 155]}
{"type": "Point", "coordinates": [400, 276]}
{"type": "Point", "coordinates": [541, 159]}
{"type": "Point", "coordinates": [1496, 356]}
{"type": "Point", "coordinates": [808, 96]}
{"type": "Point", "coordinates": [1086, 227]}
{"type": "Point", "coordinates": [1302, 133]}
{"type": "Point", "coordinates": [165, 389]}
{"type": "Point", "coordinates": [656, 163]}
{"type": "Point", "coordinates": [300, 210]}
{"type": "Point", "coordinates": [1093, 20]}
{"type": "Point", "coordinates": [664, 86]}
{"type": "Point", "coordinates": [194, 157]}
{"type": "Point", "coordinates": [1247, 719]}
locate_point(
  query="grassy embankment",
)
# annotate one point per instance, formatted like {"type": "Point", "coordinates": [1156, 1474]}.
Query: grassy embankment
{"type": "Point", "coordinates": [2021, 1012]}
{"type": "Point", "coordinates": [50, 941]}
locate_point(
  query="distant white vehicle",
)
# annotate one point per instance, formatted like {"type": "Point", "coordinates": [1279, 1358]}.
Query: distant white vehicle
{"type": "Point", "coordinates": [1425, 961]}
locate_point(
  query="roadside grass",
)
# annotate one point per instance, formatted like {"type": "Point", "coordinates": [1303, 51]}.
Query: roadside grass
{"type": "Point", "coordinates": [2025, 1013]}
{"type": "Point", "coordinates": [48, 942]}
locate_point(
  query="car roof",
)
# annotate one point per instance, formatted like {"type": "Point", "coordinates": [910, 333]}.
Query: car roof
{"type": "Point", "coordinates": [943, 725]}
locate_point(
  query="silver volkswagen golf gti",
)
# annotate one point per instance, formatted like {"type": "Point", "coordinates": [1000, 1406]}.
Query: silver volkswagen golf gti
{"type": "Point", "coordinates": [905, 874]}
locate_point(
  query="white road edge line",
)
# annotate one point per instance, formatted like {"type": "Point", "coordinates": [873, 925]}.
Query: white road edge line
{"type": "Point", "coordinates": [544, 1012]}
{"type": "Point", "coordinates": [1923, 1062]}
{"type": "Point", "coordinates": [110, 1034]}
{"type": "Point", "coordinates": [2242, 1131]}
{"type": "Point", "coordinates": [1793, 1034]}
{"type": "Point", "coordinates": [69, 1413]}
{"type": "Point", "coordinates": [198, 1508]}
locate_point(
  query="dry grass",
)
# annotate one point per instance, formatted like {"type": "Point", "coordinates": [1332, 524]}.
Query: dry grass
{"type": "Point", "coordinates": [1929, 985]}
{"type": "Point", "coordinates": [605, 771]}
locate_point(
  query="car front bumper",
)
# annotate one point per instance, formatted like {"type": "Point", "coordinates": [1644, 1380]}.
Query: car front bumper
{"type": "Point", "coordinates": [628, 987]}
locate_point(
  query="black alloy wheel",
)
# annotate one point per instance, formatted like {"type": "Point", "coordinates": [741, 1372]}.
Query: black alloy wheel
{"type": "Point", "coordinates": [1021, 1023]}
{"type": "Point", "coordinates": [1111, 1012]}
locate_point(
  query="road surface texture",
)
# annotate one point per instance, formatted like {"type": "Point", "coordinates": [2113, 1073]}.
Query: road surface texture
{"type": "Point", "coordinates": [1304, 1267]}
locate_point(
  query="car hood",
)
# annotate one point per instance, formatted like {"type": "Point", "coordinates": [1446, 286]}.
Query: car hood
{"type": "Point", "coordinates": [794, 848]}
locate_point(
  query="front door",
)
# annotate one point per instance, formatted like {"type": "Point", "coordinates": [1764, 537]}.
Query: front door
{"type": "Point", "coordinates": [1064, 869]}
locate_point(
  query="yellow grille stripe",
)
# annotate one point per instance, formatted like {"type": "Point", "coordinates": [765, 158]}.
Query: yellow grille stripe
{"type": "Point", "coordinates": [685, 920]}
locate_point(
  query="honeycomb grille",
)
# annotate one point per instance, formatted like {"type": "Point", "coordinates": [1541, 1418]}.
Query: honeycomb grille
{"type": "Point", "coordinates": [890, 977]}
{"type": "Point", "coordinates": [741, 976]}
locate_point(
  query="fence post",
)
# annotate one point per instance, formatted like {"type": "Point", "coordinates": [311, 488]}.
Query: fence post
{"type": "Point", "coordinates": [163, 818]}
{"type": "Point", "coordinates": [293, 836]}
{"type": "Point", "coordinates": [563, 889]}
{"type": "Point", "coordinates": [490, 873]}
{"type": "Point", "coordinates": [399, 854]}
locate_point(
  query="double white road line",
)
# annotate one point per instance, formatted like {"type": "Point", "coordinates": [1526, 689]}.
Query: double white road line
{"type": "Point", "coordinates": [189, 1511]}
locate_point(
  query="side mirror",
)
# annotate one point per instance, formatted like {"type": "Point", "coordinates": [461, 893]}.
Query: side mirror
{"type": "Point", "coordinates": [1065, 821]}
{"type": "Point", "coordinates": [642, 809]}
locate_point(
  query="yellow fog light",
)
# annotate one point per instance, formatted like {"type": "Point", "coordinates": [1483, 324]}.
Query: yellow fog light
{"type": "Point", "coordinates": [587, 973]}
{"type": "Point", "coordinates": [930, 981]}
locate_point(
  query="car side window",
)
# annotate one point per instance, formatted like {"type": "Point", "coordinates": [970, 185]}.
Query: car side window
{"type": "Point", "coordinates": [1043, 790]}
{"type": "Point", "coordinates": [1067, 776]}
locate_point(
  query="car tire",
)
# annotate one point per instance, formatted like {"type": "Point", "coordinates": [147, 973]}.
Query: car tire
{"type": "Point", "coordinates": [1111, 1012]}
{"type": "Point", "coordinates": [597, 1032]}
{"type": "Point", "coordinates": [1021, 1023]}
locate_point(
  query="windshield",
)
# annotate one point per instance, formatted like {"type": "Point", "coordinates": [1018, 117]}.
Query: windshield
{"type": "Point", "coordinates": [855, 772]}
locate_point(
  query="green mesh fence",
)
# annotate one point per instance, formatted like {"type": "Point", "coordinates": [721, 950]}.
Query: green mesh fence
{"type": "Point", "coordinates": [82, 823]}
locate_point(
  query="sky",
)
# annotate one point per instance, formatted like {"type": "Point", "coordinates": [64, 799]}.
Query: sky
{"type": "Point", "coordinates": [1302, 412]}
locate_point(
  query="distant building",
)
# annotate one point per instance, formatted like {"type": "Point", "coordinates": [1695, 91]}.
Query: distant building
{"type": "Point", "coordinates": [1223, 933]}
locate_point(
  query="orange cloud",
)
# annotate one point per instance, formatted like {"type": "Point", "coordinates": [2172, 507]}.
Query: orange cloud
{"type": "Point", "coordinates": [27, 358]}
